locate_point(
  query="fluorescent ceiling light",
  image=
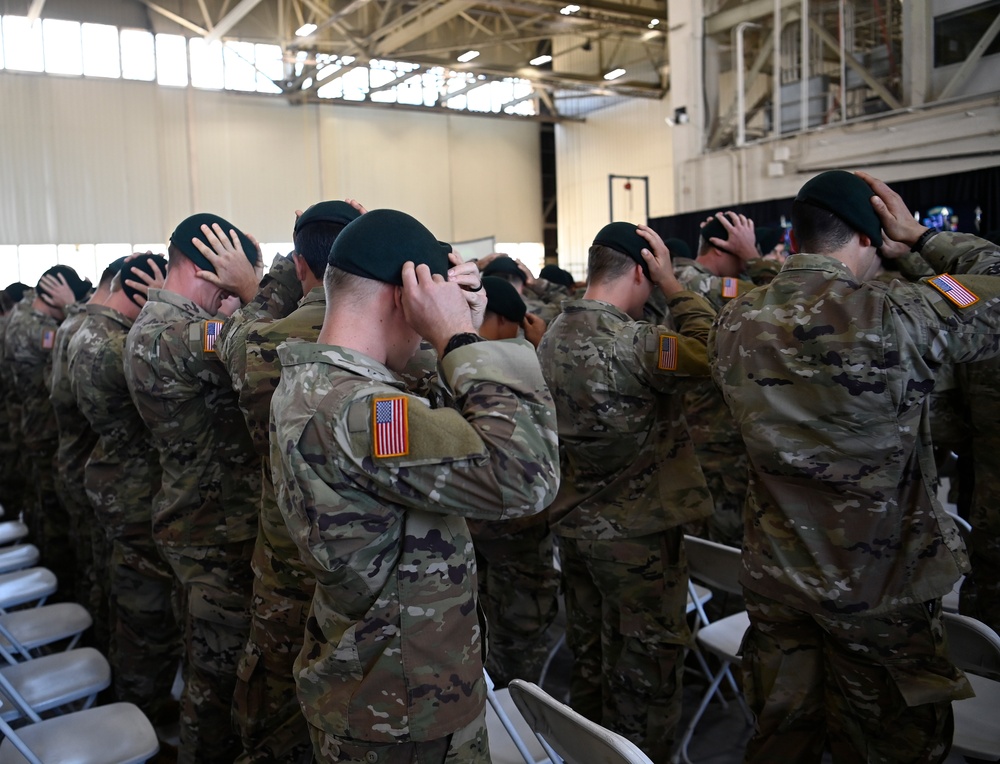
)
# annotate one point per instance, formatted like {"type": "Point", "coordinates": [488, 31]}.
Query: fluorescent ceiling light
{"type": "Point", "coordinates": [539, 60]}
{"type": "Point", "coordinates": [305, 30]}
{"type": "Point", "coordinates": [614, 74]}
{"type": "Point", "coordinates": [569, 9]}
{"type": "Point", "coordinates": [653, 23]}
{"type": "Point", "coordinates": [468, 56]}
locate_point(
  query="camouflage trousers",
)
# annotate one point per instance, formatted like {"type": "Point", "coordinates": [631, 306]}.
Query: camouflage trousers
{"type": "Point", "coordinates": [99, 594]}
{"type": "Point", "coordinates": [265, 707]}
{"type": "Point", "coordinates": [468, 745]}
{"type": "Point", "coordinates": [725, 468]}
{"type": "Point", "coordinates": [519, 591]}
{"type": "Point", "coordinates": [874, 688]}
{"type": "Point", "coordinates": [49, 521]}
{"type": "Point", "coordinates": [216, 582]}
{"type": "Point", "coordinates": [626, 603]}
{"type": "Point", "coordinates": [146, 644]}
{"type": "Point", "coordinates": [980, 595]}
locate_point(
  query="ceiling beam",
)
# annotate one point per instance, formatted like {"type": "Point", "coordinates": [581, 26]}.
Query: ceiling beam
{"type": "Point", "coordinates": [421, 26]}
{"type": "Point", "coordinates": [971, 60]}
{"type": "Point", "coordinates": [174, 17]}
{"type": "Point", "coordinates": [749, 11]}
{"type": "Point", "coordinates": [880, 90]}
{"type": "Point", "coordinates": [231, 19]}
{"type": "Point", "coordinates": [35, 11]}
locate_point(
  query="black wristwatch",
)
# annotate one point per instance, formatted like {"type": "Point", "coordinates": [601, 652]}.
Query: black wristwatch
{"type": "Point", "coordinates": [925, 237]}
{"type": "Point", "coordinates": [461, 340]}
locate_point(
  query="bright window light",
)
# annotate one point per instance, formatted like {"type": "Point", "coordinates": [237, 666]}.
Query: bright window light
{"type": "Point", "coordinates": [305, 30]}
{"type": "Point", "coordinates": [100, 51]}
{"type": "Point", "coordinates": [171, 60]}
{"type": "Point", "coordinates": [531, 253]}
{"type": "Point", "coordinates": [62, 46]}
{"type": "Point", "coordinates": [206, 64]}
{"type": "Point", "coordinates": [468, 56]}
{"type": "Point", "coordinates": [22, 44]}
{"type": "Point", "coordinates": [539, 60]}
{"type": "Point", "coordinates": [567, 10]}
{"type": "Point", "coordinates": [34, 260]}
{"type": "Point", "coordinates": [240, 72]}
{"type": "Point", "coordinates": [478, 99]}
{"type": "Point", "coordinates": [156, 249]}
{"type": "Point", "coordinates": [270, 66]}
{"type": "Point", "coordinates": [1, 63]}
{"type": "Point", "coordinates": [410, 91]}
{"type": "Point", "coordinates": [355, 84]}
{"type": "Point", "coordinates": [9, 265]}
{"type": "Point", "coordinates": [271, 250]}
{"type": "Point", "coordinates": [80, 257]}
{"type": "Point", "coordinates": [138, 55]}
{"type": "Point", "coordinates": [614, 74]}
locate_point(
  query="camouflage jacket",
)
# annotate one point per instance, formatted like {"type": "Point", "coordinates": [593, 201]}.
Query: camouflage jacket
{"type": "Point", "coordinates": [123, 471]}
{"type": "Point", "coordinates": [980, 383]}
{"type": "Point", "coordinates": [76, 438]}
{"type": "Point", "coordinates": [829, 379]}
{"type": "Point", "coordinates": [393, 645]}
{"type": "Point", "coordinates": [545, 298]}
{"type": "Point", "coordinates": [210, 486]}
{"type": "Point", "coordinates": [29, 340]}
{"type": "Point", "coordinates": [628, 465]}
{"type": "Point", "coordinates": [719, 290]}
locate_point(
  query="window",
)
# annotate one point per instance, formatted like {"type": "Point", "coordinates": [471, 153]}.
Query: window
{"type": "Point", "coordinates": [34, 260]}
{"type": "Point", "coordinates": [171, 60]}
{"type": "Point", "coordinates": [239, 61]}
{"type": "Point", "coordinates": [531, 253]}
{"type": "Point", "coordinates": [101, 57]}
{"type": "Point", "coordinates": [270, 68]}
{"type": "Point", "coordinates": [138, 56]}
{"type": "Point", "coordinates": [206, 64]}
{"type": "Point", "coordinates": [9, 266]}
{"type": "Point", "coordinates": [80, 257]}
{"type": "Point", "coordinates": [956, 34]}
{"type": "Point", "coordinates": [22, 44]}
{"type": "Point", "coordinates": [62, 47]}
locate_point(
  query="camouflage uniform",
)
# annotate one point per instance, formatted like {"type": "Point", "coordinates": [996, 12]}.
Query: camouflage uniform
{"type": "Point", "coordinates": [544, 298]}
{"type": "Point", "coordinates": [11, 482]}
{"type": "Point", "coordinates": [265, 708]}
{"type": "Point", "coordinates": [392, 663]}
{"type": "Point", "coordinates": [205, 513]}
{"type": "Point", "coordinates": [845, 543]}
{"type": "Point", "coordinates": [121, 476]}
{"type": "Point", "coordinates": [629, 480]}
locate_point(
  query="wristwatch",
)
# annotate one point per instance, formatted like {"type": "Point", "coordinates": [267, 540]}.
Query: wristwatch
{"type": "Point", "coordinates": [461, 340]}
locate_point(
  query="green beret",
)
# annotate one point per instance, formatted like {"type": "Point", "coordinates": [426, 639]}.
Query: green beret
{"type": "Point", "coordinates": [190, 228]}
{"type": "Point", "coordinates": [377, 244]}
{"type": "Point", "coordinates": [327, 212]}
{"type": "Point", "coordinates": [503, 299]}
{"type": "Point", "coordinates": [79, 286]}
{"type": "Point", "coordinates": [558, 275]}
{"type": "Point", "coordinates": [16, 291]}
{"type": "Point", "coordinates": [714, 229]}
{"type": "Point", "coordinates": [142, 263]}
{"type": "Point", "coordinates": [768, 238]}
{"type": "Point", "coordinates": [678, 248]}
{"type": "Point", "coordinates": [504, 266]}
{"type": "Point", "coordinates": [622, 237]}
{"type": "Point", "coordinates": [846, 196]}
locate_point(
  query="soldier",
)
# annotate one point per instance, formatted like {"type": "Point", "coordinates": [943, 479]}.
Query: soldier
{"type": "Point", "coordinates": [265, 708]}
{"type": "Point", "coordinates": [205, 512]}
{"type": "Point", "coordinates": [374, 485]}
{"type": "Point", "coordinates": [12, 482]}
{"type": "Point", "coordinates": [630, 479]}
{"type": "Point", "coordinates": [542, 297]}
{"type": "Point", "coordinates": [847, 550]}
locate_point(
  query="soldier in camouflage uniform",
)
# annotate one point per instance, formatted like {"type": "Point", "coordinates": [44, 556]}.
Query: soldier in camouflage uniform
{"type": "Point", "coordinates": [542, 297]}
{"type": "Point", "coordinates": [12, 469]}
{"type": "Point", "coordinates": [630, 479]}
{"type": "Point", "coordinates": [205, 512]}
{"type": "Point", "coordinates": [265, 707]}
{"type": "Point", "coordinates": [847, 551]}
{"type": "Point", "coordinates": [120, 476]}
{"type": "Point", "coordinates": [374, 485]}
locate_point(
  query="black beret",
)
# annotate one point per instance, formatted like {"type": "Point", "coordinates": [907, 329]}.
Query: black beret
{"type": "Point", "coordinates": [142, 263]}
{"type": "Point", "coordinates": [714, 229]}
{"type": "Point", "coordinates": [846, 196]}
{"type": "Point", "coordinates": [327, 212]}
{"type": "Point", "coordinates": [79, 286]}
{"type": "Point", "coordinates": [622, 237]}
{"type": "Point", "coordinates": [768, 238]}
{"type": "Point", "coordinates": [503, 299]}
{"type": "Point", "coordinates": [377, 244]}
{"type": "Point", "coordinates": [504, 266]}
{"type": "Point", "coordinates": [678, 248]}
{"type": "Point", "coordinates": [190, 228]}
{"type": "Point", "coordinates": [558, 275]}
{"type": "Point", "coordinates": [16, 291]}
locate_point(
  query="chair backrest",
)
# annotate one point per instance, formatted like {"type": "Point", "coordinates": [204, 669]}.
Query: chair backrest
{"type": "Point", "coordinates": [973, 646]}
{"type": "Point", "coordinates": [575, 738]}
{"type": "Point", "coordinates": [713, 564]}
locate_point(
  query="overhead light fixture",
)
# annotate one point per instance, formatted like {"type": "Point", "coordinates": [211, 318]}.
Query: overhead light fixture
{"type": "Point", "coordinates": [614, 74]}
{"type": "Point", "coordinates": [346, 60]}
{"type": "Point", "coordinates": [569, 9]}
{"type": "Point", "coordinates": [468, 56]}
{"type": "Point", "coordinates": [305, 30]}
{"type": "Point", "coordinates": [653, 23]}
{"type": "Point", "coordinates": [539, 60]}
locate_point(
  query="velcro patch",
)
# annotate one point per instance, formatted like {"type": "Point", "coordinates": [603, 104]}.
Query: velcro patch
{"type": "Point", "coordinates": [210, 334]}
{"type": "Point", "coordinates": [48, 339]}
{"type": "Point", "coordinates": [730, 287]}
{"type": "Point", "coordinates": [667, 360]}
{"type": "Point", "coordinates": [390, 426]}
{"type": "Point", "coordinates": [954, 291]}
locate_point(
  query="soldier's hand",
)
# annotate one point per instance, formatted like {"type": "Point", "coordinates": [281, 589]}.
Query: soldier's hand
{"type": "Point", "coordinates": [741, 242]}
{"type": "Point", "coordinates": [142, 282]}
{"type": "Point", "coordinates": [467, 276]}
{"type": "Point", "coordinates": [892, 250]}
{"type": "Point", "coordinates": [229, 305]}
{"type": "Point", "coordinates": [534, 327]}
{"type": "Point", "coordinates": [436, 309]}
{"type": "Point", "coordinates": [482, 262]}
{"type": "Point", "coordinates": [897, 220]}
{"type": "Point", "coordinates": [657, 257]}
{"type": "Point", "coordinates": [233, 272]}
{"type": "Point", "coordinates": [529, 277]}
{"type": "Point", "coordinates": [356, 205]}
{"type": "Point", "coordinates": [58, 293]}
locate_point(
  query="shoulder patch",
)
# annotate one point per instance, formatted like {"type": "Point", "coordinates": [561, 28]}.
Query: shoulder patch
{"type": "Point", "coordinates": [730, 287]}
{"type": "Point", "coordinates": [667, 360]}
{"type": "Point", "coordinates": [953, 290]}
{"type": "Point", "coordinates": [48, 339]}
{"type": "Point", "coordinates": [210, 334]}
{"type": "Point", "coordinates": [390, 427]}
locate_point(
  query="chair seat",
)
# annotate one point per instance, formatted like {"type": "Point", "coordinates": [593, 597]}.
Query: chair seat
{"type": "Point", "coordinates": [977, 733]}
{"type": "Point", "coordinates": [44, 625]}
{"type": "Point", "coordinates": [502, 748]}
{"type": "Point", "coordinates": [724, 637]}
{"type": "Point", "coordinates": [118, 733]}
{"type": "Point", "coordinates": [54, 680]}
{"type": "Point", "coordinates": [11, 531]}
{"type": "Point", "coordinates": [949, 602]}
{"type": "Point", "coordinates": [18, 557]}
{"type": "Point", "coordinates": [27, 585]}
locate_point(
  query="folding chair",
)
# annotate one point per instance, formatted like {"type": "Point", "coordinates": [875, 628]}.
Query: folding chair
{"type": "Point", "coordinates": [23, 632]}
{"type": "Point", "coordinates": [22, 587]}
{"type": "Point", "coordinates": [11, 531]}
{"type": "Point", "coordinates": [53, 681]}
{"type": "Point", "coordinates": [716, 566]}
{"type": "Point", "coordinates": [975, 648]}
{"type": "Point", "coordinates": [566, 735]}
{"type": "Point", "coordinates": [118, 733]}
{"type": "Point", "coordinates": [18, 557]}
{"type": "Point", "coordinates": [511, 739]}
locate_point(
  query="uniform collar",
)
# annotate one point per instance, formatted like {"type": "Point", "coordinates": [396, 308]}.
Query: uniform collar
{"type": "Point", "coordinates": [577, 306]}
{"type": "Point", "coordinates": [806, 261]}
{"type": "Point", "coordinates": [316, 294]}
{"type": "Point", "coordinates": [178, 301]}
{"type": "Point", "coordinates": [111, 313]}
{"type": "Point", "coordinates": [299, 353]}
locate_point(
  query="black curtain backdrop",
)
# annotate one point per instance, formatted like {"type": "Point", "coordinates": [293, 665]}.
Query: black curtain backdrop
{"type": "Point", "coordinates": [964, 192]}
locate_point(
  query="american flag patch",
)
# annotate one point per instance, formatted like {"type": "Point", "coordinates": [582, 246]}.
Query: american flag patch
{"type": "Point", "coordinates": [212, 329]}
{"type": "Point", "coordinates": [392, 433]}
{"type": "Point", "coordinates": [730, 287]}
{"type": "Point", "coordinates": [668, 353]}
{"type": "Point", "coordinates": [48, 339]}
{"type": "Point", "coordinates": [954, 291]}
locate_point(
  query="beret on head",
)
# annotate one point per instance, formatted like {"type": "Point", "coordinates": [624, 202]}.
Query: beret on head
{"type": "Point", "coordinates": [378, 243]}
{"type": "Point", "coordinates": [79, 286]}
{"type": "Point", "coordinates": [327, 212]}
{"type": "Point", "coordinates": [678, 248]}
{"type": "Point", "coordinates": [142, 263]}
{"type": "Point", "coordinates": [503, 299]}
{"type": "Point", "coordinates": [115, 266]}
{"type": "Point", "coordinates": [846, 196]}
{"type": "Point", "coordinates": [558, 275]}
{"type": "Point", "coordinates": [16, 291]}
{"type": "Point", "coordinates": [190, 228]}
{"type": "Point", "coordinates": [505, 266]}
{"type": "Point", "coordinates": [767, 238]}
{"type": "Point", "coordinates": [714, 229]}
{"type": "Point", "coordinates": [622, 237]}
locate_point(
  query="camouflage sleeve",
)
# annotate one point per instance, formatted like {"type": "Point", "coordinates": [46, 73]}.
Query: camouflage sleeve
{"type": "Point", "coordinates": [949, 252]}
{"type": "Point", "coordinates": [761, 271]}
{"type": "Point", "coordinates": [549, 292]}
{"type": "Point", "coordinates": [913, 267]}
{"type": "Point", "coordinates": [493, 457]}
{"type": "Point", "coordinates": [663, 357]}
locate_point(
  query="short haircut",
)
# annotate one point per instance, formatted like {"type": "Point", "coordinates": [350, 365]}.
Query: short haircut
{"type": "Point", "coordinates": [313, 242]}
{"type": "Point", "coordinates": [341, 285]}
{"type": "Point", "coordinates": [818, 231]}
{"type": "Point", "coordinates": [605, 264]}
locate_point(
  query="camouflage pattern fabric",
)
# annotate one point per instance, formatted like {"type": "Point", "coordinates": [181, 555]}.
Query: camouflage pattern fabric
{"type": "Point", "coordinates": [12, 484]}
{"type": "Point", "coordinates": [120, 478]}
{"type": "Point", "coordinates": [393, 649]}
{"type": "Point", "coordinates": [697, 278]}
{"type": "Point", "coordinates": [545, 298]}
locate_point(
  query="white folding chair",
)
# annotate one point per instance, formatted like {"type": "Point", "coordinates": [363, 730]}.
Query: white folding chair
{"type": "Point", "coordinates": [511, 739]}
{"type": "Point", "coordinates": [53, 681]}
{"type": "Point", "coordinates": [23, 632]}
{"type": "Point", "coordinates": [23, 587]}
{"type": "Point", "coordinates": [975, 648]}
{"type": "Point", "coordinates": [118, 733]}
{"type": "Point", "coordinates": [18, 557]}
{"type": "Point", "coordinates": [11, 531]}
{"type": "Point", "coordinates": [718, 567]}
{"type": "Point", "coordinates": [567, 736]}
